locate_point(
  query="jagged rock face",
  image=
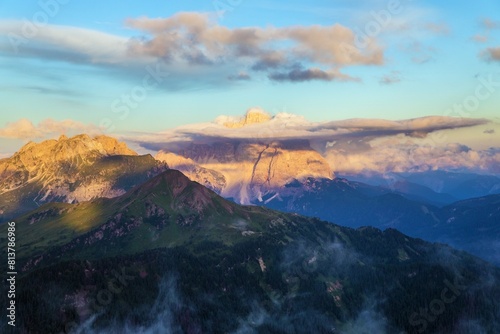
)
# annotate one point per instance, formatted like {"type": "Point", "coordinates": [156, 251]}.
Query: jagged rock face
{"type": "Point", "coordinates": [55, 157]}
{"type": "Point", "coordinates": [209, 178]}
{"type": "Point", "coordinates": [70, 170]}
{"type": "Point", "coordinates": [253, 169]}
{"type": "Point", "coordinates": [253, 116]}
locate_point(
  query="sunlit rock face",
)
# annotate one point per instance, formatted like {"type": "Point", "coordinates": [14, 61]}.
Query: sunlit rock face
{"type": "Point", "coordinates": [252, 170]}
{"type": "Point", "coordinates": [206, 177]}
{"type": "Point", "coordinates": [253, 116]}
{"type": "Point", "coordinates": [70, 170]}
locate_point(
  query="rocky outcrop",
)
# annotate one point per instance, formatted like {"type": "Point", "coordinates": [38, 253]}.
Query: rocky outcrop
{"type": "Point", "coordinates": [55, 157]}
{"type": "Point", "coordinates": [70, 170]}
{"type": "Point", "coordinates": [209, 178]}
{"type": "Point", "coordinates": [253, 116]}
{"type": "Point", "coordinates": [252, 170]}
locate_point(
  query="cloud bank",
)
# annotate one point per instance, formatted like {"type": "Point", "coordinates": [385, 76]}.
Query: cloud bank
{"type": "Point", "coordinates": [349, 146]}
{"type": "Point", "coordinates": [285, 126]}
{"type": "Point", "coordinates": [285, 54]}
{"type": "Point", "coordinates": [187, 39]}
{"type": "Point", "coordinates": [25, 129]}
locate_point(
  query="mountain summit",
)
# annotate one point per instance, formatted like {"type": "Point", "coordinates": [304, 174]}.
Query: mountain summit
{"type": "Point", "coordinates": [253, 116]}
{"type": "Point", "coordinates": [70, 170]}
{"type": "Point", "coordinates": [249, 170]}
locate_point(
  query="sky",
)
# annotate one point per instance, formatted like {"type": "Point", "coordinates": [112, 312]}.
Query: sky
{"type": "Point", "coordinates": [129, 67]}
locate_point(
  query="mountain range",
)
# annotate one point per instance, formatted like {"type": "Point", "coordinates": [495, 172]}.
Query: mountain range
{"type": "Point", "coordinates": [289, 177]}
{"type": "Point", "coordinates": [172, 256]}
{"type": "Point", "coordinates": [292, 177]}
{"type": "Point", "coordinates": [471, 225]}
{"type": "Point", "coordinates": [250, 169]}
{"type": "Point", "coordinates": [110, 241]}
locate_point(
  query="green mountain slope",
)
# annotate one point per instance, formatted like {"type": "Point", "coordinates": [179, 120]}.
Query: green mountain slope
{"type": "Point", "coordinates": [170, 256]}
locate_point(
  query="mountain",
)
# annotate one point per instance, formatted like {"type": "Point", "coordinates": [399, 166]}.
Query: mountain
{"type": "Point", "coordinates": [260, 165]}
{"type": "Point", "coordinates": [253, 116]}
{"type": "Point", "coordinates": [70, 170]}
{"type": "Point", "coordinates": [400, 185]}
{"type": "Point", "coordinates": [171, 256]}
{"type": "Point", "coordinates": [209, 178]}
{"type": "Point", "coordinates": [251, 170]}
{"type": "Point", "coordinates": [470, 225]}
{"type": "Point", "coordinates": [259, 174]}
{"type": "Point", "coordinates": [460, 185]}
{"type": "Point", "coordinates": [353, 204]}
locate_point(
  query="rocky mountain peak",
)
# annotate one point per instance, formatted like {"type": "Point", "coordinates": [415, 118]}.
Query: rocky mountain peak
{"type": "Point", "coordinates": [71, 170]}
{"type": "Point", "coordinates": [250, 170]}
{"type": "Point", "coordinates": [209, 178]}
{"type": "Point", "coordinates": [47, 158]}
{"type": "Point", "coordinates": [64, 148]}
{"type": "Point", "coordinates": [253, 116]}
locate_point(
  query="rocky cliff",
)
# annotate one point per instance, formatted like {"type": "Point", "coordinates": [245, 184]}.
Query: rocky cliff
{"type": "Point", "coordinates": [253, 116]}
{"type": "Point", "coordinates": [206, 177]}
{"type": "Point", "coordinates": [70, 170]}
{"type": "Point", "coordinates": [252, 170]}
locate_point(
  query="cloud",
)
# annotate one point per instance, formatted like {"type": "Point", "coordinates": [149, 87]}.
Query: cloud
{"type": "Point", "coordinates": [300, 75]}
{"type": "Point", "coordinates": [420, 53]}
{"type": "Point", "coordinates": [491, 54]}
{"type": "Point", "coordinates": [242, 76]}
{"type": "Point", "coordinates": [414, 31]}
{"type": "Point", "coordinates": [437, 28]}
{"type": "Point", "coordinates": [489, 24]}
{"type": "Point", "coordinates": [161, 318]}
{"type": "Point", "coordinates": [187, 39]}
{"type": "Point", "coordinates": [25, 129]}
{"type": "Point", "coordinates": [397, 155]}
{"type": "Point", "coordinates": [185, 34]}
{"type": "Point", "coordinates": [62, 43]}
{"type": "Point", "coordinates": [45, 90]}
{"type": "Point", "coordinates": [380, 127]}
{"type": "Point", "coordinates": [392, 78]}
{"type": "Point", "coordinates": [368, 321]}
{"type": "Point", "coordinates": [289, 127]}
{"type": "Point", "coordinates": [349, 146]}
{"type": "Point", "coordinates": [478, 38]}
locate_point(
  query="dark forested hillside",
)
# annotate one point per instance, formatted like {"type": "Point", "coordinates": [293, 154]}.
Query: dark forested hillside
{"type": "Point", "coordinates": [171, 256]}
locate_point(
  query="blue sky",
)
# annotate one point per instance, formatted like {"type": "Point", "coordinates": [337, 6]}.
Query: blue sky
{"type": "Point", "coordinates": [423, 59]}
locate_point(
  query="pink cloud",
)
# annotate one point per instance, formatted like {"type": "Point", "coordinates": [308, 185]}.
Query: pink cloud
{"type": "Point", "coordinates": [25, 129]}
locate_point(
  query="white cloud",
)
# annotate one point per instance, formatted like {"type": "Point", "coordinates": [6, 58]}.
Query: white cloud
{"type": "Point", "coordinates": [62, 43]}
{"type": "Point", "coordinates": [350, 146]}
{"type": "Point", "coordinates": [386, 156]}
{"type": "Point", "coordinates": [284, 126]}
